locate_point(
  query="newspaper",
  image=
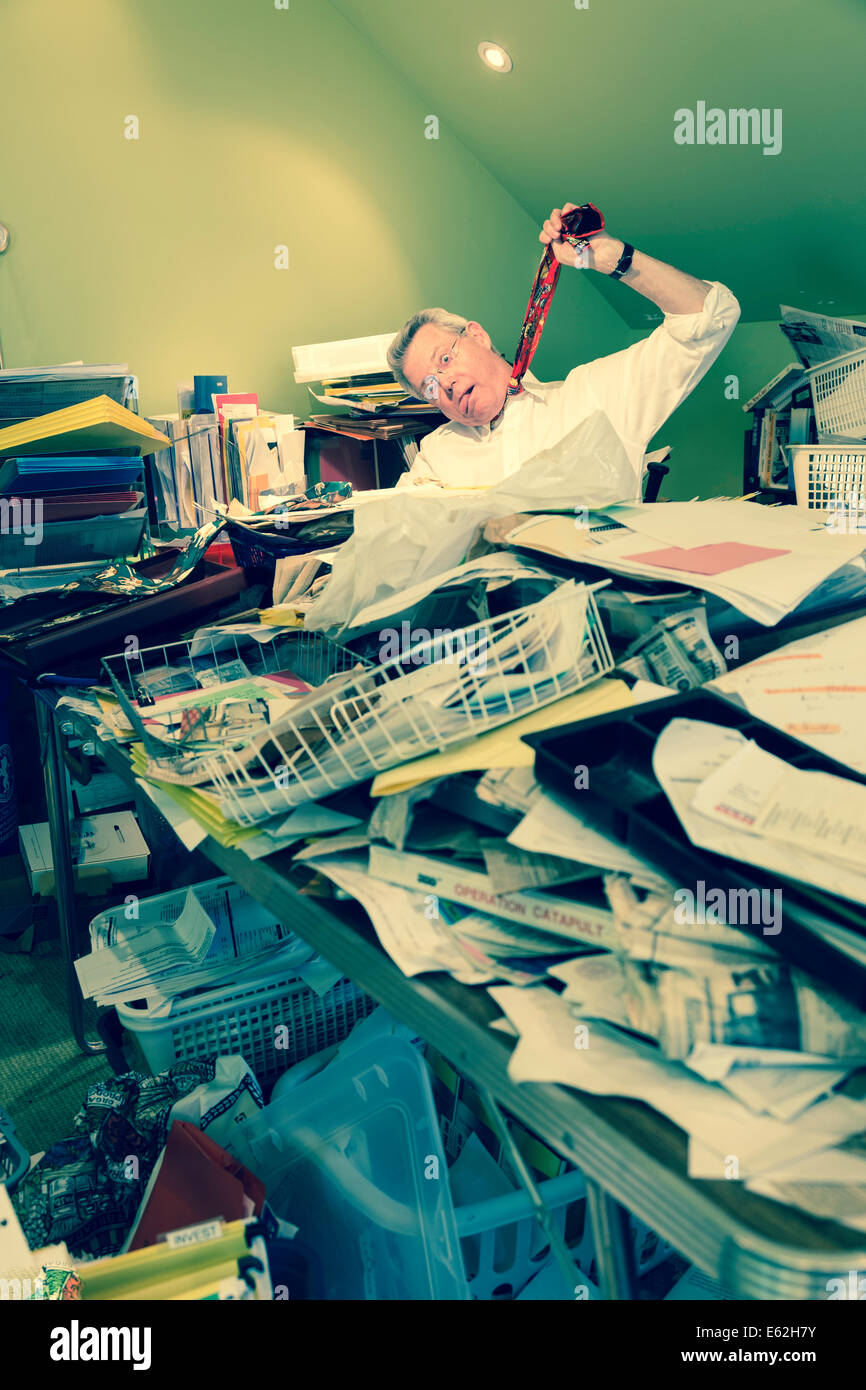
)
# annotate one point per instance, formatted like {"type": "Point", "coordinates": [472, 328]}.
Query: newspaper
{"type": "Point", "coordinates": [761, 1005]}
{"type": "Point", "coordinates": [611, 1062]}
{"type": "Point", "coordinates": [819, 338]}
{"type": "Point", "coordinates": [731, 990]}
{"type": "Point", "coordinates": [677, 652]}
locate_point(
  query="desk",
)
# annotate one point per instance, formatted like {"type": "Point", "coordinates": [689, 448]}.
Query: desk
{"type": "Point", "coordinates": [628, 1153]}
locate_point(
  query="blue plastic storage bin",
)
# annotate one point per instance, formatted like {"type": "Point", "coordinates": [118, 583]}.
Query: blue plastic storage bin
{"type": "Point", "coordinates": [354, 1158]}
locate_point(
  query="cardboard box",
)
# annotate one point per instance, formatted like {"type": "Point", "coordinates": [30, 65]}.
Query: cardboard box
{"type": "Point", "coordinates": [111, 842]}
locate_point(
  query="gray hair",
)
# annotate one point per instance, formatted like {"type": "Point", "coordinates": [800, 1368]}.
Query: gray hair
{"type": "Point", "coordinates": [453, 323]}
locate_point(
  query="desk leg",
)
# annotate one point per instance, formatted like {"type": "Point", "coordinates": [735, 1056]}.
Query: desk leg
{"type": "Point", "coordinates": [64, 882]}
{"type": "Point", "coordinates": [611, 1235]}
{"type": "Point", "coordinates": [376, 461]}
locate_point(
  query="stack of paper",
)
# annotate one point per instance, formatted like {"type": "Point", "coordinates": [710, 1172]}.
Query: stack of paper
{"type": "Point", "coordinates": [29, 391]}
{"type": "Point", "coordinates": [213, 934]}
{"type": "Point", "coordinates": [764, 561]}
{"type": "Point", "coordinates": [426, 930]}
{"type": "Point", "coordinates": [814, 689]}
{"type": "Point", "coordinates": [735, 799]}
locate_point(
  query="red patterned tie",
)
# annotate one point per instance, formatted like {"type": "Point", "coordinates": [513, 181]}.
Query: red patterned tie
{"type": "Point", "coordinates": [578, 226]}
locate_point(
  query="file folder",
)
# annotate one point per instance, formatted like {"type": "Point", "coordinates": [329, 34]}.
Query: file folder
{"type": "Point", "coordinates": [99, 423]}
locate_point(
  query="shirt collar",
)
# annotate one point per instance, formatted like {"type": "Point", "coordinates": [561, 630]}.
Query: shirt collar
{"type": "Point", "coordinates": [531, 386]}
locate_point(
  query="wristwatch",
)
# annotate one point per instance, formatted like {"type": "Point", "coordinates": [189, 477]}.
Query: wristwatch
{"type": "Point", "coordinates": [623, 265]}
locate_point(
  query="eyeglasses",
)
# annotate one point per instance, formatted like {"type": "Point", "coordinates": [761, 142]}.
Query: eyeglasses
{"type": "Point", "coordinates": [430, 385]}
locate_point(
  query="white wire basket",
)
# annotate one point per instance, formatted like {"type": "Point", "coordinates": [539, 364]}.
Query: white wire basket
{"type": "Point", "coordinates": [192, 680]}
{"type": "Point", "coordinates": [451, 687]}
{"type": "Point", "coordinates": [831, 479]}
{"type": "Point", "coordinates": [259, 757]}
{"type": "Point", "coordinates": [839, 395]}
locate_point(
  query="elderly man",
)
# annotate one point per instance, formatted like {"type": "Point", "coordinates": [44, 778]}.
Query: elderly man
{"type": "Point", "coordinates": [489, 435]}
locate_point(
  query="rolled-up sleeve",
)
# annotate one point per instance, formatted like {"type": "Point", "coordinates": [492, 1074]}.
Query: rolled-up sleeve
{"type": "Point", "coordinates": [641, 386]}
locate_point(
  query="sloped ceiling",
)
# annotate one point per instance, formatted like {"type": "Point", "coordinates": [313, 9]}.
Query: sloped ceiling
{"type": "Point", "coordinates": [587, 114]}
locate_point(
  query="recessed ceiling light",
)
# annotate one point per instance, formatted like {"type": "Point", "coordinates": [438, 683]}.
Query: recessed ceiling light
{"type": "Point", "coordinates": [494, 55]}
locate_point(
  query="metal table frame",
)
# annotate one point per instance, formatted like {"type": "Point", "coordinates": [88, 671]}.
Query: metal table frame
{"type": "Point", "coordinates": [631, 1156]}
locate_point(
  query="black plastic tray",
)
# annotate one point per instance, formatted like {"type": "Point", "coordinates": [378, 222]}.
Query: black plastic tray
{"type": "Point", "coordinates": [617, 750]}
{"type": "Point", "coordinates": [99, 633]}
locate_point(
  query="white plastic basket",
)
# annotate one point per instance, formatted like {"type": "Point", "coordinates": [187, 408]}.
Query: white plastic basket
{"type": "Point", "coordinates": [831, 479]}
{"type": "Point", "coordinates": [245, 1020]}
{"type": "Point", "coordinates": [508, 1223]}
{"type": "Point", "coordinates": [839, 395]}
{"type": "Point", "coordinates": [451, 687]}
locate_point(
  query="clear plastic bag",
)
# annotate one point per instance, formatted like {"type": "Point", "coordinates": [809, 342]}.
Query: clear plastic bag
{"type": "Point", "coordinates": [404, 538]}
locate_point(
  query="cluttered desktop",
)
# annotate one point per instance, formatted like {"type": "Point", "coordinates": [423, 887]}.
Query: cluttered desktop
{"type": "Point", "coordinates": [595, 757]}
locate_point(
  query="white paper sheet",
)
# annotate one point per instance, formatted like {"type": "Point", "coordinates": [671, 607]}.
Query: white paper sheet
{"type": "Point", "coordinates": [615, 1064]}
{"type": "Point", "coordinates": [766, 589]}
{"type": "Point", "coordinates": [686, 752]}
{"type": "Point", "coordinates": [595, 985]}
{"type": "Point", "coordinates": [813, 689]}
{"type": "Point", "coordinates": [571, 831]}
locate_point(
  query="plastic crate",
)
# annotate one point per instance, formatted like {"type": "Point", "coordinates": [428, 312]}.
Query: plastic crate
{"type": "Point", "coordinates": [14, 1158]}
{"type": "Point", "coordinates": [831, 478]}
{"type": "Point", "coordinates": [500, 1240]}
{"type": "Point", "coordinates": [839, 395]}
{"type": "Point", "coordinates": [245, 1020]}
{"type": "Point", "coordinates": [481, 1226]}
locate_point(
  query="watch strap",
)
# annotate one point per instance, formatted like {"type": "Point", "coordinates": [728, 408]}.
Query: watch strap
{"type": "Point", "coordinates": [623, 265]}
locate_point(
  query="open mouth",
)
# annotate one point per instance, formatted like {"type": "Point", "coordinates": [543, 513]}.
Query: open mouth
{"type": "Point", "coordinates": [467, 397]}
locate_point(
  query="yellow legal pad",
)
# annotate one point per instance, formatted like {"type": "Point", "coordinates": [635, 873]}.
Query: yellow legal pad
{"type": "Point", "coordinates": [99, 423]}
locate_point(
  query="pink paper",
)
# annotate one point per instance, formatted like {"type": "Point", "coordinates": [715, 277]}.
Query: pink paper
{"type": "Point", "coordinates": [707, 559]}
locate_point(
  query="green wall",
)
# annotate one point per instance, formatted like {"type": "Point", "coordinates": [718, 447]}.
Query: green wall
{"type": "Point", "coordinates": [706, 433]}
{"type": "Point", "coordinates": [261, 127]}
{"type": "Point", "coordinates": [258, 127]}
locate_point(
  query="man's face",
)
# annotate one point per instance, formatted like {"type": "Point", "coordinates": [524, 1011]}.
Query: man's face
{"type": "Point", "coordinates": [473, 384]}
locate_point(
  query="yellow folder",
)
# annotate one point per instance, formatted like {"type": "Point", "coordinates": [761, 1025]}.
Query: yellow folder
{"type": "Point", "coordinates": [164, 1272]}
{"type": "Point", "coordinates": [503, 747]}
{"type": "Point", "coordinates": [99, 423]}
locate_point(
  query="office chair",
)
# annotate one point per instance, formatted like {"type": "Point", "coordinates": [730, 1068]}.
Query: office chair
{"type": "Point", "coordinates": [655, 472]}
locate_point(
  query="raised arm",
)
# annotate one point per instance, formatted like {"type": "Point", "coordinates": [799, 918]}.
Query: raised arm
{"type": "Point", "coordinates": [640, 387]}
{"type": "Point", "coordinates": [672, 290]}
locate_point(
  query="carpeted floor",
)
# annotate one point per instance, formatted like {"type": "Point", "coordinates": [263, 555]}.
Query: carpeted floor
{"type": "Point", "coordinates": [43, 1076]}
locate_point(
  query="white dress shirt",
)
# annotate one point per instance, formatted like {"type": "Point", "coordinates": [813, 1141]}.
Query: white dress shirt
{"type": "Point", "coordinates": [637, 389]}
